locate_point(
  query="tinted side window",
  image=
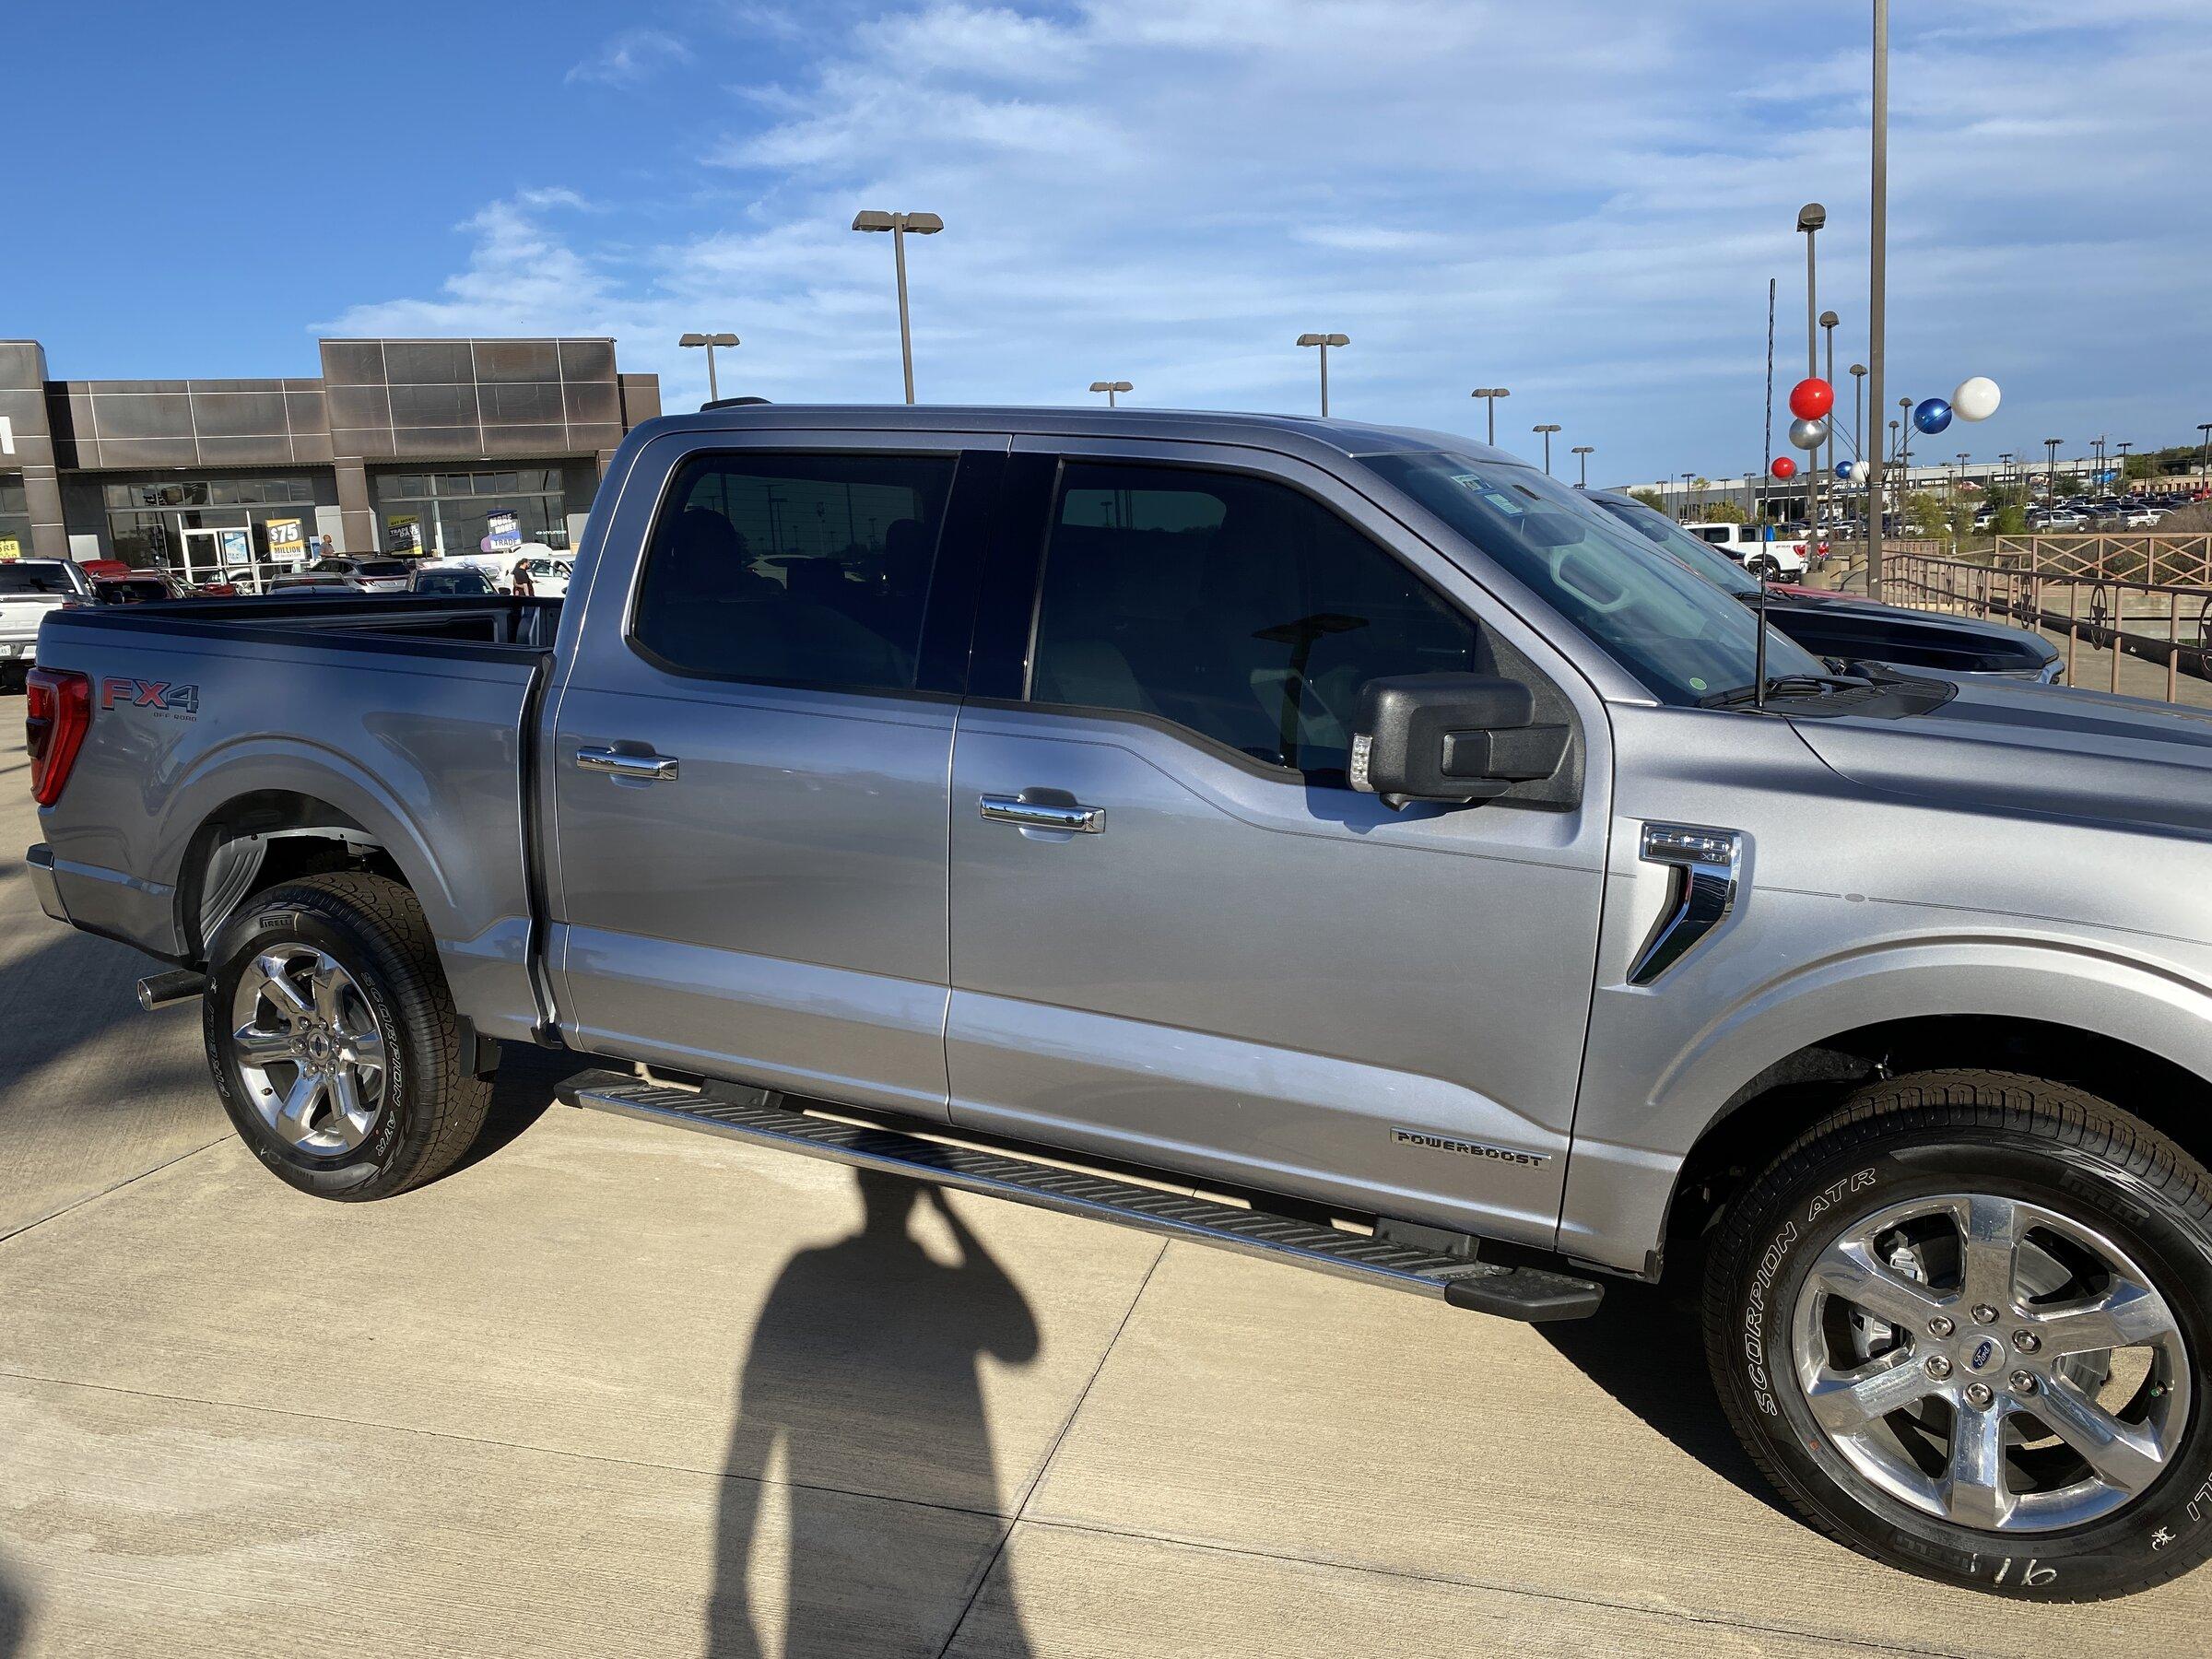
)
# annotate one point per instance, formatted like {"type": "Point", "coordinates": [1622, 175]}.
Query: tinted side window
{"type": "Point", "coordinates": [806, 568]}
{"type": "Point", "coordinates": [1230, 605]}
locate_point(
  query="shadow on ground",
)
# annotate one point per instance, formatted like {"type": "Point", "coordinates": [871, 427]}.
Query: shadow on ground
{"type": "Point", "coordinates": [15, 1613]}
{"type": "Point", "coordinates": [870, 1344]}
{"type": "Point", "coordinates": [1645, 1347]}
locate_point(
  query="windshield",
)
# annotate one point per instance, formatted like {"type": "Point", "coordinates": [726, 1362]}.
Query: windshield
{"type": "Point", "coordinates": [1675, 631]}
{"type": "Point", "coordinates": [381, 567]}
{"type": "Point", "coordinates": [1664, 533]}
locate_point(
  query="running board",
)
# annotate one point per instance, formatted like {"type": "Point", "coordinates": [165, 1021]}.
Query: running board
{"type": "Point", "coordinates": [761, 1119]}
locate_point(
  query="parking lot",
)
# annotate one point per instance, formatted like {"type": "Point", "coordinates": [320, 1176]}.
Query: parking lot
{"type": "Point", "coordinates": [610, 1389]}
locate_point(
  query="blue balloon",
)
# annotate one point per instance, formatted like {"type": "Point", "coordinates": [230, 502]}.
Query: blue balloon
{"type": "Point", "coordinates": [1844, 471]}
{"type": "Point", "coordinates": [1931, 415]}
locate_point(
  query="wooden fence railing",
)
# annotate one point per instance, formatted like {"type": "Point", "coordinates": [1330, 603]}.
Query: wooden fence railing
{"type": "Point", "coordinates": [2147, 557]}
{"type": "Point", "coordinates": [2156, 622]}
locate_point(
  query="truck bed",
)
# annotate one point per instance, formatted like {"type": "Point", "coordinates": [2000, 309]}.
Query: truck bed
{"type": "Point", "coordinates": [406, 719]}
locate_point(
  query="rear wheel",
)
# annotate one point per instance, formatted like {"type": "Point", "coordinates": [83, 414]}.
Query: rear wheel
{"type": "Point", "coordinates": [333, 1041]}
{"type": "Point", "coordinates": [1960, 1324]}
{"type": "Point", "coordinates": [1762, 566]}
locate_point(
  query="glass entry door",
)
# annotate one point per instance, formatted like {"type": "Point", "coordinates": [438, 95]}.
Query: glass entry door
{"type": "Point", "coordinates": [203, 556]}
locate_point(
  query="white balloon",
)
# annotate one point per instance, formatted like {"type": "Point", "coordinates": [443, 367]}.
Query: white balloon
{"type": "Point", "coordinates": [1976, 399]}
{"type": "Point", "coordinates": [1808, 434]}
{"type": "Point", "coordinates": [1859, 472]}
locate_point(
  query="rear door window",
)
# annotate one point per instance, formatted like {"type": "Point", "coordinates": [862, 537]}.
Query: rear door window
{"type": "Point", "coordinates": [795, 568]}
{"type": "Point", "coordinates": [20, 579]}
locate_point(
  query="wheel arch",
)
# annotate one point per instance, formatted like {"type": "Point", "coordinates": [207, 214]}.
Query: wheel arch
{"type": "Point", "coordinates": [263, 836]}
{"type": "Point", "coordinates": [1758, 1121]}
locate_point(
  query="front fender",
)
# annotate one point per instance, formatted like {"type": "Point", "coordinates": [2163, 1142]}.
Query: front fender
{"type": "Point", "coordinates": [1653, 1095]}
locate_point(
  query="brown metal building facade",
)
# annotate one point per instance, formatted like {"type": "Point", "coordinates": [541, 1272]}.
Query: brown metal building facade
{"type": "Point", "coordinates": [400, 445]}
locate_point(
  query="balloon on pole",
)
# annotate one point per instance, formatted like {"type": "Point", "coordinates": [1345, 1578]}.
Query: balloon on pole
{"type": "Point", "coordinates": [1808, 434]}
{"type": "Point", "coordinates": [1856, 472]}
{"type": "Point", "coordinates": [1931, 415]}
{"type": "Point", "coordinates": [1811, 399]}
{"type": "Point", "coordinates": [1783, 467]}
{"type": "Point", "coordinates": [1843, 470]}
{"type": "Point", "coordinates": [1976, 399]}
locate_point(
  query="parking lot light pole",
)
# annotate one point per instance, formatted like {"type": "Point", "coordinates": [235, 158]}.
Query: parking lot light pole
{"type": "Point", "coordinates": [2124, 446]}
{"type": "Point", "coordinates": [1490, 395]}
{"type": "Point", "coordinates": [1548, 431]}
{"type": "Point", "coordinates": [2051, 471]}
{"type": "Point", "coordinates": [1325, 341]}
{"type": "Point", "coordinates": [1585, 450]}
{"type": "Point", "coordinates": [899, 224]}
{"type": "Point", "coordinates": [2204, 458]}
{"type": "Point", "coordinates": [1686, 503]}
{"type": "Point", "coordinates": [1810, 218]}
{"type": "Point", "coordinates": [1877, 298]}
{"type": "Point", "coordinates": [709, 342]}
{"type": "Point", "coordinates": [1110, 388]}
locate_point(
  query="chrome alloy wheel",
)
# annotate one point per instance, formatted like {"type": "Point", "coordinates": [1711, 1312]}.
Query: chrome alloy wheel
{"type": "Point", "coordinates": [1989, 1362]}
{"type": "Point", "coordinates": [308, 1050]}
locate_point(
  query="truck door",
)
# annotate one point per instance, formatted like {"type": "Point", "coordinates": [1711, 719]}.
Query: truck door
{"type": "Point", "coordinates": [750, 755]}
{"type": "Point", "coordinates": [1178, 936]}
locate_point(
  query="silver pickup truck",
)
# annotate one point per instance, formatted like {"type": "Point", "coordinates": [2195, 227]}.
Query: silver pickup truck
{"type": "Point", "coordinates": [1337, 843]}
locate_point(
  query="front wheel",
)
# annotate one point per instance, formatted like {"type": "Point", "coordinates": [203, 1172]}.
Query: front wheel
{"type": "Point", "coordinates": [333, 1041]}
{"type": "Point", "coordinates": [1762, 566]}
{"type": "Point", "coordinates": [1960, 1325]}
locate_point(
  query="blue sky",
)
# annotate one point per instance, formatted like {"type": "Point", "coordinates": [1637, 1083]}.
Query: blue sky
{"type": "Point", "coordinates": [1582, 201]}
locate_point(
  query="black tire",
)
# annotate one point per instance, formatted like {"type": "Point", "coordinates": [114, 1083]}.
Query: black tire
{"type": "Point", "coordinates": [1974, 1132]}
{"type": "Point", "coordinates": [1763, 567]}
{"type": "Point", "coordinates": [431, 1110]}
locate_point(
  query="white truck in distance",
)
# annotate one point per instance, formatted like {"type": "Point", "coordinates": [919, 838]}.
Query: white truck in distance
{"type": "Point", "coordinates": [1777, 560]}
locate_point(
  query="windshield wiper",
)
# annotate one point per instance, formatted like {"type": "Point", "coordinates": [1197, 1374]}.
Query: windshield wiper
{"type": "Point", "coordinates": [1785, 685]}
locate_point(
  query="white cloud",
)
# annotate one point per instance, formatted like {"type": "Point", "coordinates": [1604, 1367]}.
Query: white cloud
{"type": "Point", "coordinates": [1579, 200]}
{"type": "Point", "coordinates": [632, 58]}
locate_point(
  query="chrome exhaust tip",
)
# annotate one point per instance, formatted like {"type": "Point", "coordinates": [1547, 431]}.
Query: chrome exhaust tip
{"type": "Point", "coordinates": [179, 985]}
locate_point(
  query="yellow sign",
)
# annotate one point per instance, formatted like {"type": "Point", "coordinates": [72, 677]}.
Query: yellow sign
{"type": "Point", "coordinates": [404, 533]}
{"type": "Point", "coordinates": [284, 540]}
{"type": "Point", "coordinates": [10, 548]}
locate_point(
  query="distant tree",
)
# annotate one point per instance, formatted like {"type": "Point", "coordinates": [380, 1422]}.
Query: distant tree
{"type": "Point", "coordinates": [1924, 513]}
{"type": "Point", "coordinates": [1725, 512]}
{"type": "Point", "coordinates": [1650, 497]}
{"type": "Point", "coordinates": [2012, 521]}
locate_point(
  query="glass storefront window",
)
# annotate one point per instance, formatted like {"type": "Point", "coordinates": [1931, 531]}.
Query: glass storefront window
{"type": "Point", "coordinates": [15, 517]}
{"type": "Point", "coordinates": [449, 513]}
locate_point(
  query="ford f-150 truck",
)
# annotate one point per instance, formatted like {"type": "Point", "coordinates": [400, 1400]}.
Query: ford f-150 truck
{"type": "Point", "coordinates": [1351, 824]}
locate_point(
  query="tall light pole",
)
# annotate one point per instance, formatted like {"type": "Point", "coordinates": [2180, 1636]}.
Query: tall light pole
{"type": "Point", "coordinates": [1110, 388]}
{"type": "Point", "coordinates": [1548, 431]}
{"type": "Point", "coordinates": [1858, 422]}
{"type": "Point", "coordinates": [1810, 218]}
{"type": "Point", "coordinates": [709, 342]}
{"type": "Point", "coordinates": [899, 224]}
{"type": "Point", "coordinates": [2204, 459]}
{"type": "Point", "coordinates": [1686, 503]}
{"type": "Point", "coordinates": [1904, 453]}
{"type": "Point", "coordinates": [1490, 395]}
{"type": "Point", "coordinates": [1878, 299]}
{"type": "Point", "coordinates": [2124, 446]}
{"type": "Point", "coordinates": [1325, 341]}
{"type": "Point", "coordinates": [1585, 450]}
{"type": "Point", "coordinates": [2051, 471]}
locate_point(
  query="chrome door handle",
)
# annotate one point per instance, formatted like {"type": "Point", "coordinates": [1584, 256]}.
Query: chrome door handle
{"type": "Point", "coordinates": [651, 769]}
{"type": "Point", "coordinates": [1038, 814]}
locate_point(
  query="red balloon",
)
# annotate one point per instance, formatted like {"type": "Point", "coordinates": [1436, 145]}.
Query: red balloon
{"type": "Point", "coordinates": [1811, 399]}
{"type": "Point", "coordinates": [1784, 467]}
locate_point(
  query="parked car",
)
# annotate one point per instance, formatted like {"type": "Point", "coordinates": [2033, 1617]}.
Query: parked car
{"type": "Point", "coordinates": [549, 578]}
{"type": "Point", "coordinates": [1355, 820]}
{"type": "Point", "coordinates": [1845, 629]}
{"type": "Point", "coordinates": [1781, 559]}
{"type": "Point", "coordinates": [366, 575]}
{"type": "Point", "coordinates": [138, 587]}
{"type": "Point", "coordinates": [2141, 518]}
{"type": "Point", "coordinates": [29, 588]}
{"type": "Point", "coordinates": [452, 581]}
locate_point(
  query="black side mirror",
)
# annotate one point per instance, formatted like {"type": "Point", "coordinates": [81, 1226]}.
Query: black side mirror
{"type": "Point", "coordinates": [1457, 737]}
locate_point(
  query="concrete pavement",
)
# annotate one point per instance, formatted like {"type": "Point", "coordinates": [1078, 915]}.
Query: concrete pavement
{"type": "Point", "coordinates": [613, 1389]}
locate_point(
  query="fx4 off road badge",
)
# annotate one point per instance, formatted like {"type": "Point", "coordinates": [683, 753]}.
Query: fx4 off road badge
{"type": "Point", "coordinates": [159, 695]}
{"type": "Point", "coordinates": [1444, 1143]}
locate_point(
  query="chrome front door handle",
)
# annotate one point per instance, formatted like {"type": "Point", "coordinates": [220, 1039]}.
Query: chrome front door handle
{"type": "Point", "coordinates": [1040, 815]}
{"type": "Point", "coordinates": [648, 769]}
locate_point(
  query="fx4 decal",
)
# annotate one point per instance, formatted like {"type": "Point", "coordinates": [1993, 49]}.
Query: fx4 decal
{"type": "Point", "coordinates": [149, 694]}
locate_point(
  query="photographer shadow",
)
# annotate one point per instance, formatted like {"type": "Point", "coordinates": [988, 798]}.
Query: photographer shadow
{"type": "Point", "coordinates": [862, 1373]}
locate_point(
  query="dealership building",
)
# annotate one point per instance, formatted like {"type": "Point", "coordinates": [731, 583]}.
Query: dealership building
{"type": "Point", "coordinates": [400, 446]}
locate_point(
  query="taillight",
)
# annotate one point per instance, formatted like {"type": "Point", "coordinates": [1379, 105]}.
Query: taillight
{"type": "Point", "coordinates": [57, 713]}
